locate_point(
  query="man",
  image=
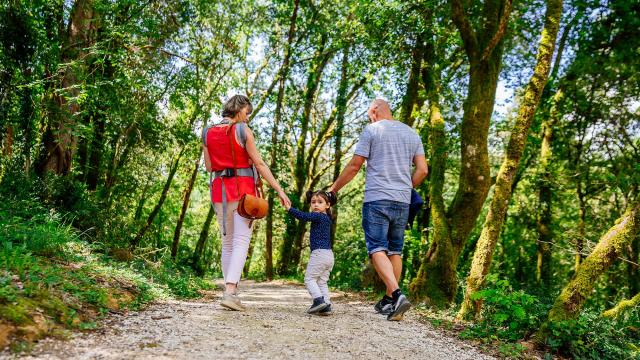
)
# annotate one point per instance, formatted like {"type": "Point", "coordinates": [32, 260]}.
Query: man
{"type": "Point", "coordinates": [390, 148]}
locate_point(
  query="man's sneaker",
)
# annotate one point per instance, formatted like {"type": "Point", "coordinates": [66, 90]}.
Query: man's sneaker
{"type": "Point", "coordinates": [387, 309]}
{"type": "Point", "coordinates": [383, 306]}
{"type": "Point", "coordinates": [232, 302]}
{"type": "Point", "coordinates": [318, 304]}
{"type": "Point", "coordinates": [326, 311]}
{"type": "Point", "coordinates": [399, 308]}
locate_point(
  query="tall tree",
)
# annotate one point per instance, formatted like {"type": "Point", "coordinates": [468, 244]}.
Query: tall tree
{"type": "Point", "coordinates": [273, 163]}
{"type": "Point", "coordinates": [59, 138]}
{"type": "Point", "coordinates": [292, 243]}
{"type": "Point", "coordinates": [436, 279]}
{"type": "Point", "coordinates": [502, 190]}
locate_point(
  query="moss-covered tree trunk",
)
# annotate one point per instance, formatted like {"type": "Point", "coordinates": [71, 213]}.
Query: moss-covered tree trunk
{"type": "Point", "coordinates": [440, 249]}
{"type": "Point", "coordinates": [612, 245]}
{"type": "Point", "coordinates": [622, 306]}
{"type": "Point", "coordinates": [502, 191]}
{"type": "Point", "coordinates": [436, 281]}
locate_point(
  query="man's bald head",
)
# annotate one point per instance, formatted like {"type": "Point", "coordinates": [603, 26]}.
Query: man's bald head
{"type": "Point", "coordinates": [379, 110]}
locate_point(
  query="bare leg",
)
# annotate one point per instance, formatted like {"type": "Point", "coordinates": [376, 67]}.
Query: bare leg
{"type": "Point", "coordinates": [385, 270]}
{"type": "Point", "coordinates": [231, 288]}
{"type": "Point", "coordinates": [396, 262]}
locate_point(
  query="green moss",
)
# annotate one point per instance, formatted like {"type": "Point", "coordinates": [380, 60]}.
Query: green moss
{"type": "Point", "coordinates": [569, 303]}
{"type": "Point", "coordinates": [622, 306]}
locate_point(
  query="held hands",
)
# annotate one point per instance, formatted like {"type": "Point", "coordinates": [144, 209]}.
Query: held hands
{"type": "Point", "coordinates": [333, 197]}
{"type": "Point", "coordinates": [284, 200]}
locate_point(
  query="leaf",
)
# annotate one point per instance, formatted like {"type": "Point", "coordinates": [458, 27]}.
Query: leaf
{"type": "Point", "coordinates": [519, 313]}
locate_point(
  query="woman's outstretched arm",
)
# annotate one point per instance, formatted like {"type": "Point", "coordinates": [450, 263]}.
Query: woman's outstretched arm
{"type": "Point", "coordinates": [263, 169]}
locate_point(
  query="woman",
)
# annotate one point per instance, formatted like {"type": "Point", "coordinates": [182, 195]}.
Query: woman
{"type": "Point", "coordinates": [229, 185]}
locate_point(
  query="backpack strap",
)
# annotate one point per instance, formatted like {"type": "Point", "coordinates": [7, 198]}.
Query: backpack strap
{"type": "Point", "coordinates": [204, 134]}
{"type": "Point", "coordinates": [241, 133]}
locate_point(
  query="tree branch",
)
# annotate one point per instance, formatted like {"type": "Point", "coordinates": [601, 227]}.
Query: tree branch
{"type": "Point", "coordinates": [502, 29]}
{"type": "Point", "coordinates": [464, 26]}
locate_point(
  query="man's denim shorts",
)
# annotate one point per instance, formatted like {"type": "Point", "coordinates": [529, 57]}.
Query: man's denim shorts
{"type": "Point", "coordinates": [384, 222]}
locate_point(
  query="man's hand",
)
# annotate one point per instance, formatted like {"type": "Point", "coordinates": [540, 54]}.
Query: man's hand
{"type": "Point", "coordinates": [332, 196]}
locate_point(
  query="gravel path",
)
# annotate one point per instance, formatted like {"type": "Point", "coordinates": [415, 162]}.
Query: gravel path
{"type": "Point", "coordinates": [275, 327]}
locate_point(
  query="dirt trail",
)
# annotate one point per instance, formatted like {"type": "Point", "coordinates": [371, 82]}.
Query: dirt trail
{"type": "Point", "coordinates": [275, 326]}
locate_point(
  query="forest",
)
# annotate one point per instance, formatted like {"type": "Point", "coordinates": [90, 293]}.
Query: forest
{"type": "Point", "coordinates": [529, 112]}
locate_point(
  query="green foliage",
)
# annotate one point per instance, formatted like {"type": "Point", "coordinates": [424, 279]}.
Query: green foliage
{"type": "Point", "coordinates": [46, 269]}
{"type": "Point", "coordinates": [150, 74]}
{"type": "Point", "coordinates": [506, 314]}
{"type": "Point", "coordinates": [593, 337]}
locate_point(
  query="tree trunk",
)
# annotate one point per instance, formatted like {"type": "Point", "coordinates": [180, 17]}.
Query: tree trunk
{"type": "Point", "coordinates": [143, 200]}
{"type": "Point", "coordinates": [59, 139]}
{"type": "Point", "coordinates": [247, 263]}
{"type": "Point", "coordinates": [290, 253]}
{"type": "Point", "coordinates": [409, 99]}
{"type": "Point", "coordinates": [440, 251]}
{"type": "Point", "coordinates": [93, 170]}
{"type": "Point", "coordinates": [183, 211]}
{"type": "Point", "coordinates": [611, 245]}
{"type": "Point", "coordinates": [341, 109]}
{"type": "Point", "coordinates": [581, 224]}
{"type": "Point", "coordinates": [156, 209]}
{"type": "Point", "coordinates": [436, 281]}
{"type": "Point", "coordinates": [622, 306]}
{"type": "Point", "coordinates": [202, 242]}
{"type": "Point", "coordinates": [634, 268]}
{"type": "Point", "coordinates": [268, 246]}
{"type": "Point", "coordinates": [502, 190]}
{"type": "Point", "coordinates": [8, 142]}
{"type": "Point", "coordinates": [369, 278]}
{"type": "Point", "coordinates": [545, 192]}
{"type": "Point", "coordinates": [284, 74]}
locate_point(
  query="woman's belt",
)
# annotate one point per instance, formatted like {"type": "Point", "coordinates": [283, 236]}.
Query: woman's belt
{"type": "Point", "coordinates": [231, 173]}
{"type": "Point", "coordinates": [250, 172]}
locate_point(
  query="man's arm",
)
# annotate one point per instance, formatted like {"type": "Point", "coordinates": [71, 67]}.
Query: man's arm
{"type": "Point", "coordinates": [348, 173]}
{"type": "Point", "coordinates": [421, 170]}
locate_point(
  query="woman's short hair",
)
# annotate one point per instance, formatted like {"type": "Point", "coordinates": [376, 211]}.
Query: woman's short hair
{"type": "Point", "coordinates": [234, 105]}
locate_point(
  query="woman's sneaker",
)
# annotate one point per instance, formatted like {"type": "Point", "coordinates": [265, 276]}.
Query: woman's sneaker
{"type": "Point", "coordinates": [399, 308]}
{"type": "Point", "coordinates": [318, 304]}
{"type": "Point", "coordinates": [232, 302]}
{"type": "Point", "coordinates": [326, 311]}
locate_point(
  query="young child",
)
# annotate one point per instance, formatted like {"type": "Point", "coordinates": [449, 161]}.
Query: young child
{"type": "Point", "coordinates": [321, 258]}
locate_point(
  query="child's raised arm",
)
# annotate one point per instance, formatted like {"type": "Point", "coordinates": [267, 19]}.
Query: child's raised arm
{"type": "Point", "coordinates": [308, 216]}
